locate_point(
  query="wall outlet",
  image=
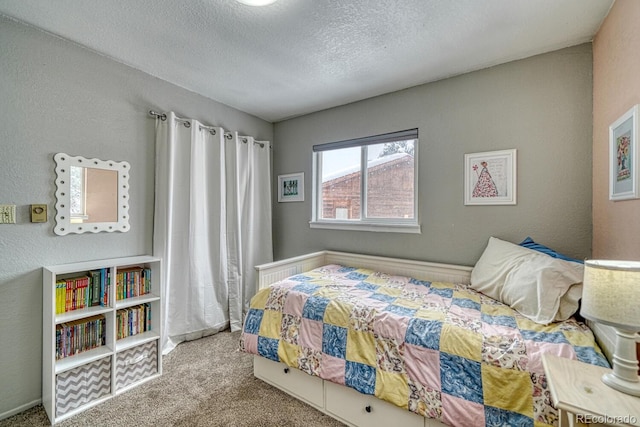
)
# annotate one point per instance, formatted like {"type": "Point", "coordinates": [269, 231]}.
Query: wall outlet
{"type": "Point", "coordinates": [7, 214]}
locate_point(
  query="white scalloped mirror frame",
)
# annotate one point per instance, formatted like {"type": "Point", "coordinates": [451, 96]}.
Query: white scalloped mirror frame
{"type": "Point", "coordinates": [64, 222]}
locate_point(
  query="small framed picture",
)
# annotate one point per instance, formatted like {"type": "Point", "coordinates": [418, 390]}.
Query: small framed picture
{"type": "Point", "coordinates": [490, 178]}
{"type": "Point", "coordinates": [291, 187]}
{"type": "Point", "coordinates": [623, 157]}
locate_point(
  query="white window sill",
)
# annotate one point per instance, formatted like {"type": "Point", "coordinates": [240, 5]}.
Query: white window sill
{"type": "Point", "coordinates": [366, 226]}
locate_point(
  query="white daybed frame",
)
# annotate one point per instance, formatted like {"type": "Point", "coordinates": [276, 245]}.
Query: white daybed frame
{"type": "Point", "coordinates": [341, 402]}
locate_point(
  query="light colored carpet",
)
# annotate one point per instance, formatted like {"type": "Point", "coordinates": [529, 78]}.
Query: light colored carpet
{"type": "Point", "coordinates": [206, 382]}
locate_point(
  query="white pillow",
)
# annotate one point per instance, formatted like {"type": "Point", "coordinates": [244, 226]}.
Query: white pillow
{"type": "Point", "coordinates": [540, 287]}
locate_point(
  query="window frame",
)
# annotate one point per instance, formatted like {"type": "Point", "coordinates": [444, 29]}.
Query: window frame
{"type": "Point", "coordinates": [364, 223]}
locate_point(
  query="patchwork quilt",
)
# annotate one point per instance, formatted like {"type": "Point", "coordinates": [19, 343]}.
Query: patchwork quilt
{"type": "Point", "coordinates": [441, 350]}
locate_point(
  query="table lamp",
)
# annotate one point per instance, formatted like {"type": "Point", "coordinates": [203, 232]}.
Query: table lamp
{"type": "Point", "coordinates": [611, 296]}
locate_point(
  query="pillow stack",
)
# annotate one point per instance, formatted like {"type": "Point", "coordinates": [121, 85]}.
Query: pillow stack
{"type": "Point", "coordinates": [541, 287]}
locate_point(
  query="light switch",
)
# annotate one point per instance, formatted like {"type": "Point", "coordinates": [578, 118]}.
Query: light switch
{"type": "Point", "coordinates": [7, 214]}
{"type": "Point", "coordinates": [38, 213]}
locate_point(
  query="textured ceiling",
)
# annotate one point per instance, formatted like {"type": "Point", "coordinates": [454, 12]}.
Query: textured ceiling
{"type": "Point", "coordinates": [298, 56]}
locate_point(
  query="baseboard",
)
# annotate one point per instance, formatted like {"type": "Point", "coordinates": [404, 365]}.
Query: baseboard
{"type": "Point", "coordinates": [19, 409]}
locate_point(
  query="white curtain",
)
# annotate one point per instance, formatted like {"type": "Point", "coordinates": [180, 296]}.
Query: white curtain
{"type": "Point", "coordinates": [248, 219]}
{"type": "Point", "coordinates": [206, 227]}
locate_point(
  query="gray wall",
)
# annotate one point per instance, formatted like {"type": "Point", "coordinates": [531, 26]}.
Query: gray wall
{"type": "Point", "coordinates": [541, 106]}
{"type": "Point", "coordinates": [58, 97]}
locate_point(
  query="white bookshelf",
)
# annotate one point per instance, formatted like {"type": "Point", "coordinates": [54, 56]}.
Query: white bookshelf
{"type": "Point", "coordinates": [75, 383]}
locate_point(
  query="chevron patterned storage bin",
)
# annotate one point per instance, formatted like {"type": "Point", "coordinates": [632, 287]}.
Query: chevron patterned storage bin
{"type": "Point", "coordinates": [136, 363]}
{"type": "Point", "coordinates": [82, 385]}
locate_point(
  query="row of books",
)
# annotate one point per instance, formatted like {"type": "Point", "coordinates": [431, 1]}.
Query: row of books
{"type": "Point", "coordinates": [133, 320]}
{"type": "Point", "coordinates": [133, 282]}
{"type": "Point", "coordinates": [75, 293]}
{"type": "Point", "coordinates": [80, 335]}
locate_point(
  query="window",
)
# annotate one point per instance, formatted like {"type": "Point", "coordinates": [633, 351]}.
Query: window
{"type": "Point", "coordinates": [367, 183]}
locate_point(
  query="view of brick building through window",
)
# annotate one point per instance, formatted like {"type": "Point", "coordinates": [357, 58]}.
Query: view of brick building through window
{"type": "Point", "coordinates": [390, 181]}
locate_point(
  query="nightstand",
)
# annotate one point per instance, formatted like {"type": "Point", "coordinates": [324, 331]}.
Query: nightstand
{"type": "Point", "coordinates": [583, 399]}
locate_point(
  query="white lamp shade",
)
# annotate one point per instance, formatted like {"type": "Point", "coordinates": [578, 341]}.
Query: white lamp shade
{"type": "Point", "coordinates": [611, 293]}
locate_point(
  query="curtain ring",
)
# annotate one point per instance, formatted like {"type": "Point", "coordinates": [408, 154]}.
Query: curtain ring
{"type": "Point", "coordinates": [228, 135]}
{"type": "Point", "coordinates": [211, 130]}
{"type": "Point", "coordinates": [244, 140]}
{"type": "Point", "coordinates": [187, 124]}
{"type": "Point", "coordinates": [162, 116]}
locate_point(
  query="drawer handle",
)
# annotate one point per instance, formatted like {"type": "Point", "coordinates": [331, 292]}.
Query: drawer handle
{"type": "Point", "coordinates": [286, 370]}
{"type": "Point", "coordinates": [368, 408]}
{"type": "Point", "coordinates": [137, 359]}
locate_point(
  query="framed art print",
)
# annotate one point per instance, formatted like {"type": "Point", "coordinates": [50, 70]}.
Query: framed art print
{"type": "Point", "coordinates": [490, 178]}
{"type": "Point", "coordinates": [291, 187]}
{"type": "Point", "coordinates": [623, 156]}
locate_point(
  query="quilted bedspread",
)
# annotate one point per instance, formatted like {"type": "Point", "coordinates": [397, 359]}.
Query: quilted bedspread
{"type": "Point", "coordinates": [441, 350]}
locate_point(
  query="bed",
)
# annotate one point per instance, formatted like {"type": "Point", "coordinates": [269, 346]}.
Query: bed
{"type": "Point", "coordinates": [381, 341]}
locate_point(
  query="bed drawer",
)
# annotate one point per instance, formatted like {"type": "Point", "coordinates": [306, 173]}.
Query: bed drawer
{"type": "Point", "coordinates": [360, 409]}
{"type": "Point", "coordinates": [136, 364]}
{"type": "Point", "coordinates": [295, 382]}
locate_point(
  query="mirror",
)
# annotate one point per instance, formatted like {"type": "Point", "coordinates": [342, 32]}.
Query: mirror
{"type": "Point", "coordinates": [92, 195]}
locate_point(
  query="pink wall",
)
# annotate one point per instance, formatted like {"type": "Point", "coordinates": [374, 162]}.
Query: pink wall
{"type": "Point", "coordinates": [616, 88]}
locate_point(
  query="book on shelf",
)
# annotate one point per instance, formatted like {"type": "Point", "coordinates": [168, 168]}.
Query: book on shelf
{"type": "Point", "coordinates": [61, 293]}
{"type": "Point", "coordinates": [101, 286]}
{"type": "Point", "coordinates": [71, 294]}
{"type": "Point", "coordinates": [80, 335]}
{"type": "Point", "coordinates": [133, 320]}
{"type": "Point", "coordinates": [88, 290]}
{"type": "Point", "coordinates": [132, 282]}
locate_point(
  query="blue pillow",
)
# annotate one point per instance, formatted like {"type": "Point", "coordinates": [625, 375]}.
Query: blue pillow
{"type": "Point", "coordinates": [529, 243]}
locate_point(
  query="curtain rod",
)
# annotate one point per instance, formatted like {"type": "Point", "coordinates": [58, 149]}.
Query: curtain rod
{"type": "Point", "coordinates": [163, 117]}
{"type": "Point", "coordinates": [211, 129]}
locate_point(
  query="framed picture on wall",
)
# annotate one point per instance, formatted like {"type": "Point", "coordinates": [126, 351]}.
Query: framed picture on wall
{"type": "Point", "coordinates": [490, 178]}
{"type": "Point", "coordinates": [291, 187]}
{"type": "Point", "coordinates": [623, 156]}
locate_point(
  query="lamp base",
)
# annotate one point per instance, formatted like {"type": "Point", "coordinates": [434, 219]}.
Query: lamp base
{"type": "Point", "coordinates": [627, 387]}
{"type": "Point", "coordinates": [624, 377]}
